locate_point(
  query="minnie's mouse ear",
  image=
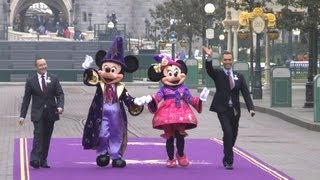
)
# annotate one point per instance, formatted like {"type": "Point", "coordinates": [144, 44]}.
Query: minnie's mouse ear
{"type": "Point", "coordinates": [132, 63]}
{"type": "Point", "coordinates": [99, 56]}
{"type": "Point", "coordinates": [183, 66]}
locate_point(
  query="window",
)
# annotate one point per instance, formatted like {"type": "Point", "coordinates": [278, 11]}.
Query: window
{"type": "Point", "coordinates": [84, 15]}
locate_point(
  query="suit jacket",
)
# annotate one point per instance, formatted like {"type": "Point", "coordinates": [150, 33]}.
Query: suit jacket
{"type": "Point", "coordinates": [220, 102]}
{"type": "Point", "coordinates": [53, 98]}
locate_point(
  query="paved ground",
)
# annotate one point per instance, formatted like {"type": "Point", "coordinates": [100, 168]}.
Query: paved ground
{"type": "Point", "coordinates": [150, 165]}
{"type": "Point", "coordinates": [280, 142]}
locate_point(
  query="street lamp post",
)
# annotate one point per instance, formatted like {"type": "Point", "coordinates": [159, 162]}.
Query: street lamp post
{"type": "Point", "coordinates": [221, 38]}
{"type": "Point", "coordinates": [271, 34]}
{"type": "Point", "coordinates": [209, 8]}
{"type": "Point", "coordinates": [147, 26]}
{"type": "Point", "coordinates": [110, 26]}
{"type": "Point", "coordinates": [273, 52]}
{"type": "Point", "coordinates": [257, 85]}
{"type": "Point", "coordinates": [173, 40]}
{"type": "Point", "coordinates": [155, 37]}
{"type": "Point", "coordinates": [258, 21]}
{"type": "Point", "coordinates": [313, 12]}
{"type": "Point", "coordinates": [296, 33]}
{"type": "Point", "coordinates": [129, 42]}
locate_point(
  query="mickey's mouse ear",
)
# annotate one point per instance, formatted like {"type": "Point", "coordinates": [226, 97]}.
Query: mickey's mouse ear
{"type": "Point", "coordinates": [132, 63]}
{"type": "Point", "coordinates": [99, 56]}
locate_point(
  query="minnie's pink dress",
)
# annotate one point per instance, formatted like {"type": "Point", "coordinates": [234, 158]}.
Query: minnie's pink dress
{"type": "Point", "coordinates": [174, 113]}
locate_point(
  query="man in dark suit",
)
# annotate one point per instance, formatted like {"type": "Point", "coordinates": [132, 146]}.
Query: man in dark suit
{"type": "Point", "coordinates": [47, 103]}
{"type": "Point", "coordinates": [226, 102]}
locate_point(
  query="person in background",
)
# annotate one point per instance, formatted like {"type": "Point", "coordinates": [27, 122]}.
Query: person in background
{"type": "Point", "coordinates": [67, 33]}
{"type": "Point", "coordinates": [226, 102]}
{"type": "Point", "coordinates": [47, 104]}
{"type": "Point", "coordinates": [196, 52]}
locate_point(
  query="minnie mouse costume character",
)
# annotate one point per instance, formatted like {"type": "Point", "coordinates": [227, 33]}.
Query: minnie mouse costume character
{"type": "Point", "coordinates": [174, 115]}
{"type": "Point", "coordinates": [106, 127]}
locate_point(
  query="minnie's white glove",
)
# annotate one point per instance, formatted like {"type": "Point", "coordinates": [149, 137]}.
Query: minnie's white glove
{"type": "Point", "coordinates": [204, 94]}
{"type": "Point", "coordinates": [87, 62]}
{"type": "Point", "coordinates": [142, 100]}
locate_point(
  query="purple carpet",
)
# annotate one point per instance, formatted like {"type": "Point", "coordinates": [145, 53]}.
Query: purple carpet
{"type": "Point", "coordinates": [145, 160]}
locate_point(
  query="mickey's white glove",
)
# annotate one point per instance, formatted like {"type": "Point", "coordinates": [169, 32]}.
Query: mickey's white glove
{"type": "Point", "coordinates": [139, 101]}
{"type": "Point", "coordinates": [148, 99]}
{"type": "Point", "coordinates": [87, 62]}
{"type": "Point", "coordinates": [142, 100]}
{"type": "Point", "coordinates": [204, 94]}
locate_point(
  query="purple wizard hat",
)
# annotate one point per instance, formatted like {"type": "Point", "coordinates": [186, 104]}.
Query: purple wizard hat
{"type": "Point", "coordinates": [115, 52]}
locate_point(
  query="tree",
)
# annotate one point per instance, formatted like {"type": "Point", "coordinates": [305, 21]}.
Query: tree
{"type": "Point", "coordinates": [312, 27]}
{"type": "Point", "coordinates": [309, 23]}
{"type": "Point", "coordinates": [291, 20]}
{"type": "Point", "coordinates": [187, 18]}
{"type": "Point", "coordinates": [247, 5]}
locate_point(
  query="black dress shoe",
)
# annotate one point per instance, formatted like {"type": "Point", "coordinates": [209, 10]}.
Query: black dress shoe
{"type": "Point", "coordinates": [227, 165]}
{"type": "Point", "coordinates": [45, 165]}
{"type": "Point", "coordinates": [103, 160]}
{"type": "Point", "coordinates": [118, 163]}
{"type": "Point", "coordinates": [35, 164]}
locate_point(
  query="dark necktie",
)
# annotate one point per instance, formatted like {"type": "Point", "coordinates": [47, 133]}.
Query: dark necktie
{"type": "Point", "coordinates": [43, 83]}
{"type": "Point", "coordinates": [109, 94]}
{"type": "Point", "coordinates": [230, 80]}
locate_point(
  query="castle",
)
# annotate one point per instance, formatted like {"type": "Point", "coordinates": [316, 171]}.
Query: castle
{"type": "Point", "coordinates": [83, 15]}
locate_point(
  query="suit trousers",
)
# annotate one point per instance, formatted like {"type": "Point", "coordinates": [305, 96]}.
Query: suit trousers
{"type": "Point", "coordinates": [41, 138]}
{"type": "Point", "coordinates": [229, 123]}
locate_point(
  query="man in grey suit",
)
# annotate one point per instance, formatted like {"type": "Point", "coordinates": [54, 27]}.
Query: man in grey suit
{"type": "Point", "coordinates": [47, 103]}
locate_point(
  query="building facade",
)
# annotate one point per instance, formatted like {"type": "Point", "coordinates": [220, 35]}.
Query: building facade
{"type": "Point", "coordinates": [82, 13]}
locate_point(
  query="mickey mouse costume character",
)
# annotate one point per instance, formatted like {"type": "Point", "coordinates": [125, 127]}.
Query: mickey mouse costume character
{"type": "Point", "coordinates": [106, 126]}
{"type": "Point", "coordinates": [174, 115]}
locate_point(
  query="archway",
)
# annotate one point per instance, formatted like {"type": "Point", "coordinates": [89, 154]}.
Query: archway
{"type": "Point", "coordinates": [61, 10]}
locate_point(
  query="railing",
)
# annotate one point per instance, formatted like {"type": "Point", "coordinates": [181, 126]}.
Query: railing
{"type": "Point", "coordinates": [63, 58]}
{"type": "Point", "coordinates": [103, 33]}
{"type": "Point", "coordinates": [22, 36]}
{"type": "Point", "coordinates": [299, 69]}
{"type": "Point", "coordinates": [18, 75]}
{"type": "Point", "coordinates": [70, 75]}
